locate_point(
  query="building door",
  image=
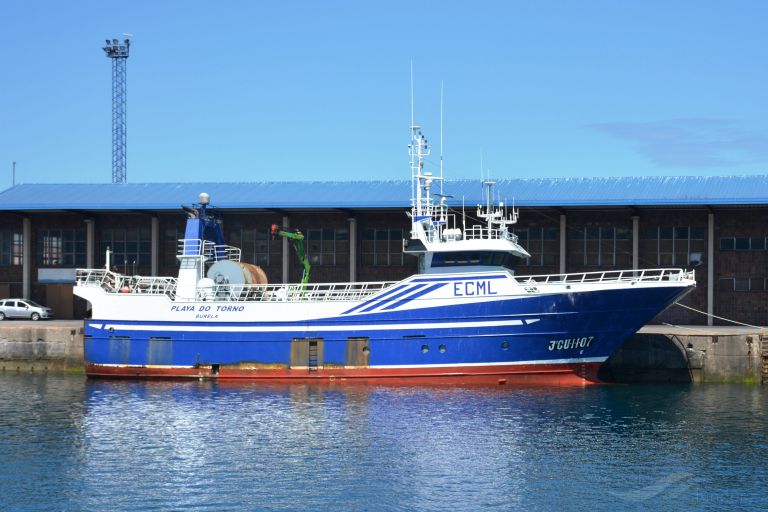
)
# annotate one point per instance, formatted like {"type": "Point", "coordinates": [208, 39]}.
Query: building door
{"type": "Point", "coordinates": [59, 296]}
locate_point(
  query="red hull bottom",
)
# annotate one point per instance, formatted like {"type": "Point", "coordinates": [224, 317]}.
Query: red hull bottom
{"type": "Point", "coordinates": [575, 374]}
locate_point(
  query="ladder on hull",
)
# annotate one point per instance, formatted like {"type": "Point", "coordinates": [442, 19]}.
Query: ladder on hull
{"type": "Point", "coordinates": [312, 356]}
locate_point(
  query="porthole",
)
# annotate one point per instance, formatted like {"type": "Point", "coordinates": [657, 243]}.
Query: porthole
{"type": "Point", "coordinates": [424, 349]}
{"type": "Point", "coordinates": [504, 345]}
{"type": "Point", "coordinates": [366, 350]}
{"type": "Point", "coordinates": [442, 349]}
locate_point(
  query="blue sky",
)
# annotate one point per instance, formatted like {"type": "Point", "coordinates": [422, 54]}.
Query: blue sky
{"type": "Point", "coordinates": [254, 90]}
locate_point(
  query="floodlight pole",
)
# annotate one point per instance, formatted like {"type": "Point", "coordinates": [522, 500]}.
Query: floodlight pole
{"type": "Point", "coordinates": [118, 52]}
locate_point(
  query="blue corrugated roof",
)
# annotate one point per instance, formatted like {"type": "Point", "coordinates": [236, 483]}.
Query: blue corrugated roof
{"type": "Point", "coordinates": [643, 191]}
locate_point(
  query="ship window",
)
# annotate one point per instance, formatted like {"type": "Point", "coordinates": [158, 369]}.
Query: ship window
{"type": "Point", "coordinates": [467, 258]}
{"type": "Point", "coordinates": [424, 349]}
{"type": "Point", "coordinates": [505, 345]}
{"type": "Point", "coordinates": [442, 349]}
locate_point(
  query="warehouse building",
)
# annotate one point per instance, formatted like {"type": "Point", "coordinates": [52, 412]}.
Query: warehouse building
{"type": "Point", "coordinates": [354, 230]}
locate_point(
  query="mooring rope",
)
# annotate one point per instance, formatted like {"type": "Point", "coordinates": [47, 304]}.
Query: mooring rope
{"type": "Point", "coordinates": [718, 317]}
{"type": "Point", "coordinates": [700, 332]}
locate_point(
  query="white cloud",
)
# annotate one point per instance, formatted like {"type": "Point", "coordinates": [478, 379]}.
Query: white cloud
{"type": "Point", "coordinates": [692, 142]}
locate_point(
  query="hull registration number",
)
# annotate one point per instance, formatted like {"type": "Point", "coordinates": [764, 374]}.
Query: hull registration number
{"type": "Point", "coordinates": [569, 343]}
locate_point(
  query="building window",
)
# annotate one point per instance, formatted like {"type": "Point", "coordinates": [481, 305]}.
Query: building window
{"type": "Point", "coordinates": [541, 243]}
{"type": "Point", "coordinates": [675, 245]}
{"type": "Point", "coordinates": [64, 247]}
{"type": "Point", "coordinates": [130, 247]}
{"type": "Point", "coordinates": [601, 246]}
{"type": "Point", "coordinates": [383, 247]}
{"type": "Point", "coordinates": [735, 243]}
{"type": "Point", "coordinates": [742, 284]}
{"type": "Point", "coordinates": [256, 245]}
{"type": "Point", "coordinates": [11, 247]}
{"type": "Point", "coordinates": [170, 246]}
{"type": "Point", "coordinates": [327, 247]}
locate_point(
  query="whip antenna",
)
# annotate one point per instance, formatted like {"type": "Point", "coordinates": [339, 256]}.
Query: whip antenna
{"type": "Point", "coordinates": [441, 137]}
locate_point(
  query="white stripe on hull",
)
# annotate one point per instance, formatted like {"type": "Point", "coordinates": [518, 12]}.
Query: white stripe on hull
{"type": "Point", "coordinates": [451, 365]}
{"type": "Point", "coordinates": [288, 328]}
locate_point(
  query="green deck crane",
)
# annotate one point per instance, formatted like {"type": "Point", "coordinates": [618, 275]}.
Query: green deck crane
{"type": "Point", "coordinates": [297, 240]}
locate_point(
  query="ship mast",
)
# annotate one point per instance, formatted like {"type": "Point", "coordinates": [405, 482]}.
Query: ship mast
{"type": "Point", "coordinates": [495, 216]}
{"type": "Point", "coordinates": [421, 181]}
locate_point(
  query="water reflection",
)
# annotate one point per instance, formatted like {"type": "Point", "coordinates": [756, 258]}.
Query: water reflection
{"type": "Point", "coordinates": [74, 444]}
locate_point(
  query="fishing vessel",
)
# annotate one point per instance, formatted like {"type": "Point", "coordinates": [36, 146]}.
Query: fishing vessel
{"type": "Point", "coordinates": [465, 317]}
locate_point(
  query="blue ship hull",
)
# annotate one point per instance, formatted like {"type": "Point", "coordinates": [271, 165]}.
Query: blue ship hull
{"type": "Point", "coordinates": [561, 337]}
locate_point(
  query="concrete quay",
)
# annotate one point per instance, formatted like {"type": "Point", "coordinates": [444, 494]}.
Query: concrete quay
{"type": "Point", "coordinates": [657, 353]}
{"type": "Point", "coordinates": [42, 346]}
{"type": "Point", "coordinates": [663, 353]}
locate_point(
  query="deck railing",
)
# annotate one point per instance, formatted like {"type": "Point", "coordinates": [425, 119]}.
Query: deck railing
{"type": "Point", "coordinates": [610, 276]}
{"type": "Point", "coordinates": [211, 251]}
{"type": "Point", "coordinates": [478, 232]}
{"type": "Point", "coordinates": [112, 282]}
{"type": "Point", "coordinates": [292, 292]}
{"type": "Point", "coordinates": [119, 283]}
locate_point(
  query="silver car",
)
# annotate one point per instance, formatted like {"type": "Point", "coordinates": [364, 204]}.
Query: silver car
{"type": "Point", "coordinates": [23, 308]}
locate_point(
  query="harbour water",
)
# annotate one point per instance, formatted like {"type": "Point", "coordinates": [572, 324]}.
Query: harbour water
{"type": "Point", "coordinates": [67, 443]}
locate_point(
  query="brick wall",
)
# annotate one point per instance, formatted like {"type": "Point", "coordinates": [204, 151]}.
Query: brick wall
{"type": "Point", "coordinates": [648, 256]}
{"type": "Point", "coordinates": [547, 220]}
{"type": "Point", "coordinates": [747, 305]}
{"type": "Point", "coordinates": [377, 219]}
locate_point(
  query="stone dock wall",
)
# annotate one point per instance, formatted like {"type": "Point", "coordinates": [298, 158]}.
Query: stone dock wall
{"type": "Point", "coordinates": [655, 354]}
{"type": "Point", "coordinates": [691, 354]}
{"type": "Point", "coordinates": [41, 346]}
